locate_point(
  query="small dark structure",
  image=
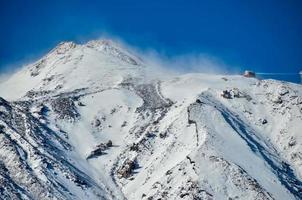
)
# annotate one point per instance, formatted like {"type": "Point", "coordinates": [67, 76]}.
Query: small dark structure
{"type": "Point", "coordinates": [226, 94]}
{"type": "Point", "coordinates": [249, 74]}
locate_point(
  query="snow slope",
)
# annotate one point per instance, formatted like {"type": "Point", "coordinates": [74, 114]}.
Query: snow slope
{"type": "Point", "coordinates": [88, 122]}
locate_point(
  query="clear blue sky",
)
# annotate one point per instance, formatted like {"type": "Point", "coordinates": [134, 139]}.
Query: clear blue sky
{"type": "Point", "coordinates": [262, 35]}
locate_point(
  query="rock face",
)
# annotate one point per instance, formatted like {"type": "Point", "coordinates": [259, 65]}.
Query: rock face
{"type": "Point", "coordinates": [86, 122]}
{"type": "Point", "coordinates": [64, 108]}
{"type": "Point", "coordinates": [34, 159]}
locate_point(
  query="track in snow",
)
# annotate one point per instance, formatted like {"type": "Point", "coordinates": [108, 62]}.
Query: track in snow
{"type": "Point", "coordinates": [279, 167]}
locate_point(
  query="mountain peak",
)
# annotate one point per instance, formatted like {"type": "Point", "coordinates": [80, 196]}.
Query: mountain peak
{"type": "Point", "coordinates": [63, 47]}
{"type": "Point", "coordinates": [94, 64]}
{"type": "Point", "coordinates": [102, 42]}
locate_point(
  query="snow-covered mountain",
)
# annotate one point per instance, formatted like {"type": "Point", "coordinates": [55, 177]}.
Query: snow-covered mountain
{"type": "Point", "coordinates": [88, 122]}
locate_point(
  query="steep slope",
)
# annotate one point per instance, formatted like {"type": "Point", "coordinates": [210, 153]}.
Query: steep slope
{"type": "Point", "coordinates": [95, 65]}
{"type": "Point", "coordinates": [87, 121]}
{"type": "Point", "coordinates": [36, 163]}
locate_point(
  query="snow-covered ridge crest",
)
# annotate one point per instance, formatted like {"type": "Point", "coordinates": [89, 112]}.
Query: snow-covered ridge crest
{"type": "Point", "coordinates": [105, 46]}
{"type": "Point", "coordinates": [114, 49]}
{"type": "Point", "coordinates": [63, 47]}
{"type": "Point", "coordinates": [70, 66]}
{"type": "Point", "coordinates": [56, 53]}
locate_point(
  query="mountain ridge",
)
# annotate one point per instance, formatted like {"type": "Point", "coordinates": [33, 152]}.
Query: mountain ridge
{"type": "Point", "coordinates": [87, 121]}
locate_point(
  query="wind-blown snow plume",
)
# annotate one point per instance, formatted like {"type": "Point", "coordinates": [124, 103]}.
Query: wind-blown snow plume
{"type": "Point", "coordinates": [159, 63]}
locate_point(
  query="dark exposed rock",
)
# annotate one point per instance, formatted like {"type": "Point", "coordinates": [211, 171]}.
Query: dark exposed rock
{"type": "Point", "coordinates": [169, 172]}
{"type": "Point", "coordinates": [150, 135]}
{"type": "Point", "coordinates": [95, 153]}
{"type": "Point", "coordinates": [126, 169]}
{"type": "Point", "coordinates": [226, 94]}
{"type": "Point", "coordinates": [113, 110]}
{"type": "Point", "coordinates": [292, 142]}
{"type": "Point", "coordinates": [99, 150]}
{"type": "Point", "coordinates": [65, 108]}
{"type": "Point", "coordinates": [190, 160]}
{"type": "Point", "coordinates": [134, 147]}
{"type": "Point", "coordinates": [184, 194]}
{"type": "Point", "coordinates": [109, 143]}
{"type": "Point", "coordinates": [34, 94]}
{"type": "Point", "coordinates": [283, 91]}
{"type": "Point", "coordinates": [35, 70]}
{"type": "Point", "coordinates": [236, 93]}
{"type": "Point", "coordinates": [1, 128]}
{"type": "Point", "coordinates": [277, 100]}
{"type": "Point", "coordinates": [152, 99]}
{"type": "Point", "coordinates": [3, 102]}
{"type": "Point", "coordinates": [18, 178]}
{"type": "Point", "coordinates": [198, 101]}
{"type": "Point", "coordinates": [80, 104]}
{"type": "Point", "coordinates": [264, 121]}
{"type": "Point", "coordinates": [163, 135]}
{"type": "Point", "coordinates": [97, 122]}
{"type": "Point", "coordinates": [58, 87]}
{"type": "Point", "coordinates": [124, 124]}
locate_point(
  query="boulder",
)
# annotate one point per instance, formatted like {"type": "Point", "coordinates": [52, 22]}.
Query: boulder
{"type": "Point", "coordinates": [126, 169]}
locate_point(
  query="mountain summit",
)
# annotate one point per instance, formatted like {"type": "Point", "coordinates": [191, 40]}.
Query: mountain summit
{"type": "Point", "coordinates": [84, 122]}
{"type": "Point", "coordinates": [71, 66]}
